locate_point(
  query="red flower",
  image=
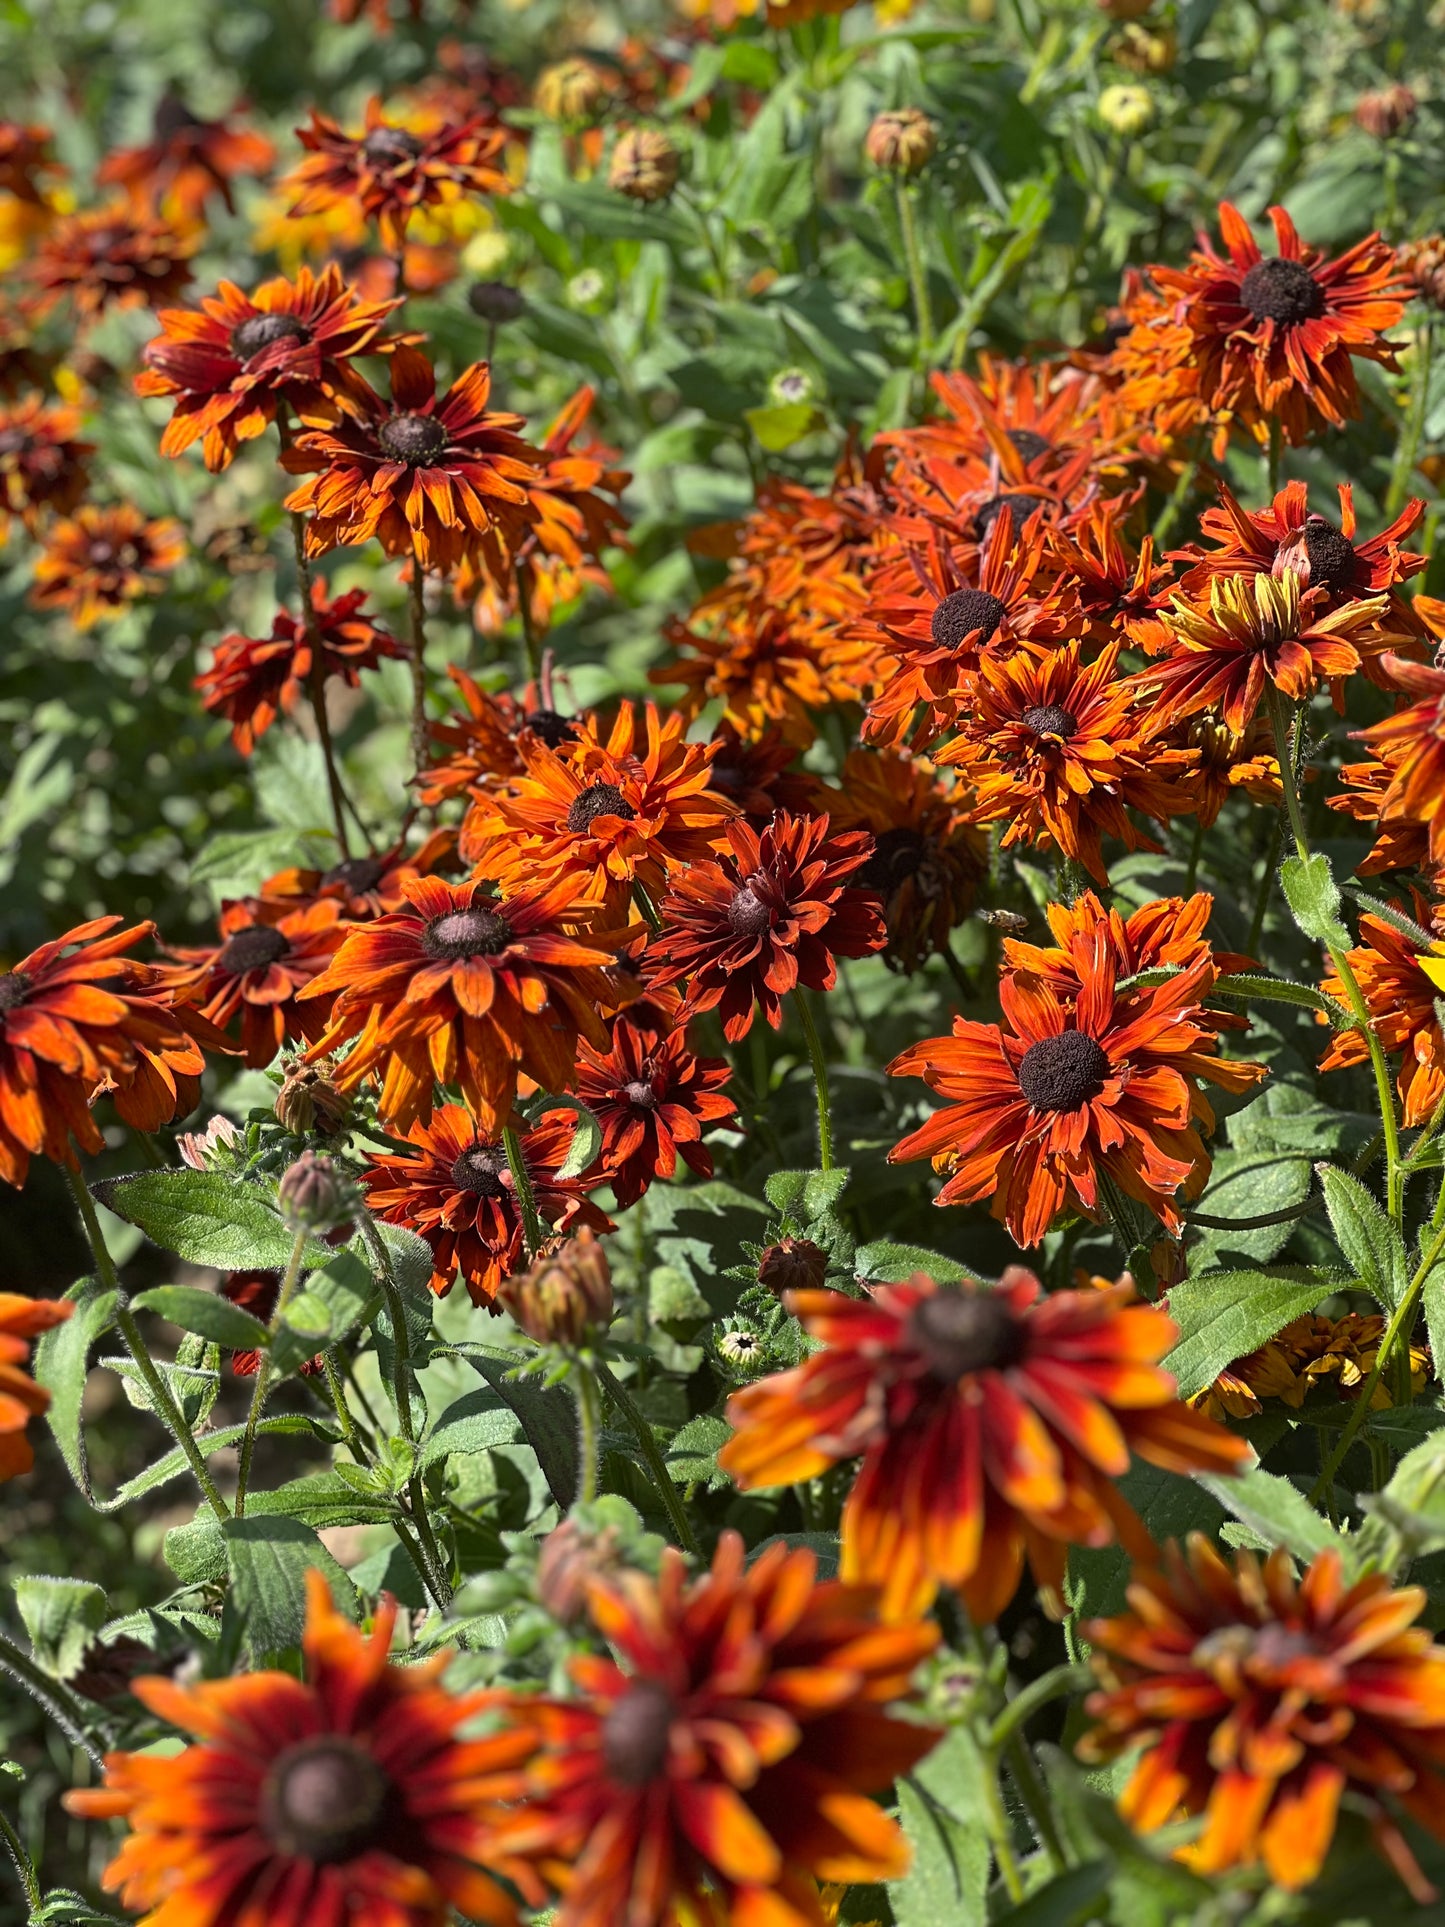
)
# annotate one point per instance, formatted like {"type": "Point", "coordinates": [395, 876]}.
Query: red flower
{"type": "Point", "coordinates": [185, 162]}
{"type": "Point", "coordinates": [257, 1292]}
{"type": "Point", "coordinates": [769, 916]}
{"type": "Point", "coordinates": [651, 1096]}
{"type": "Point", "coordinates": [267, 956]}
{"type": "Point", "coordinates": [109, 257]}
{"type": "Point", "coordinates": [43, 464]}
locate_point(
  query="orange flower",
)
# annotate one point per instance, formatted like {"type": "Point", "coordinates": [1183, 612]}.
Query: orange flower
{"type": "Point", "coordinates": [44, 467]}
{"type": "Point", "coordinates": [1403, 843]}
{"type": "Point", "coordinates": [1112, 581]}
{"type": "Point", "coordinates": [101, 559]}
{"type": "Point", "coordinates": [484, 741]}
{"type": "Point", "coordinates": [253, 680]}
{"type": "Point", "coordinates": [1061, 752]}
{"type": "Point", "coordinates": [364, 886]}
{"type": "Point", "coordinates": [993, 1423]}
{"type": "Point", "coordinates": [390, 171]}
{"type": "Point", "coordinates": [651, 1096]}
{"type": "Point", "coordinates": [729, 1768]}
{"type": "Point", "coordinates": [1226, 762]}
{"type": "Point", "coordinates": [1070, 1092]}
{"type": "Point", "coordinates": [110, 257]}
{"type": "Point", "coordinates": [78, 1017]}
{"type": "Point", "coordinates": [463, 988]}
{"type": "Point", "coordinates": [1257, 629]}
{"type": "Point", "coordinates": [767, 917]}
{"type": "Point", "coordinates": [21, 1399]}
{"type": "Point", "coordinates": [604, 813]}
{"type": "Point", "coordinates": [349, 1795]}
{"type": "Point", "coordinates": [267, 956]}
{"type": "Point", "coordinates": [1272, 337]}
{"type": "Point", "coordinates": [425, 475]}
{"type": "Point", "coordinates": [1400, 982]}
{"type": "Point", "coordinates": [928, 859]}
{"type": "Point", "coordinates": [1411, 747]}
{"type": "Point", "coordinates": [1261, 1699]}
{"type": "Point", "coordinates": [24, 156]}
{"type": "Point", "coordinates": [1289, 536]}
{"type": "Point", "coordinates": [233, 364]}
{"type": "Point", "coordinates": [185, 161]}
{"type": "Point", "coordinates": [770, 673]}
{"type": "Point", "coordinates": [459, 1195]}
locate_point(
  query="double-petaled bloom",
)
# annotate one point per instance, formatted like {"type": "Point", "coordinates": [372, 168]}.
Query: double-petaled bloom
{"type": "Point", "coordinates": [1290, 536]}
{"type": "Point", "coordinates": [349, 1795]}
{"type": "Point", "coordinates": [95, 563]}
{"type": "Point", "coordinates": [110, 257]}
{"type": "Point", "coordinates": [770, 915]}
{"type": "Point", "coordinates": [21, 1399]}
{"type": "Point", "coordinates": [463, 988]}
{"type": "Point", "coordinates": [267, 954]}
{"type": "Point", "coordinates": [651, 1096]}
{"type": "Point", "coordinates": [391, 171]}
{"type": "Point", "coordinates": [1401, 982]}
{"type": "Point", "coordinates": [79, 1018]}
{"type": "Point", "coordinates": [44, 465]}
{"type": "Point", "coordinates": [769, 672]}
{"type": "Point", "coordinates": [1061, 751]}
{"type": "Point", "coordinates": [992, 1423]}
{"type": "Point", "coordinates": [722, 1765]}
{"type": "Point", "coordinates": [427, 475]}
{"type": "Point", "coordinates": [1077, 1086]}
{"type": "Point", "coordinates": [254, 679]}
{"type": "Point", "coordinates": [231, 364]}
{"type": "Point", "coordinates": [1262, 1700]}
{"type": "Point", "coordinates": [1273, 338]}
{"type": "Point", "coordinates": [607, 812]}
{"type": "Point", "coordinates": [481, 741]}
{"type": "Point", "coordinates": [456, 1190]}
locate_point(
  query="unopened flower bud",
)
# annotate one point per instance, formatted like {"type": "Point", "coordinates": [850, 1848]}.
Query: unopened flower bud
{"type": "Point", "coordinates": [793, 1264]}
{"type": "Point", "coordinates": [1424, 262]}
{"type": "Point", "coordinates": [315, 1194]}
{"type": "Point", "coordinates": [494, 301]}
{"type": "Point", "coordinates": [571, 90]}
{"type": "Point", "coordinates": [902, 142]}
{"type": "Point", "coordinates": [1126, 109]}
{"type": "Point", "coordinates": [1125, 9]}
{"type": "Point", "coordinates": [1386, 112]}
{"type": "Point", "coordinates": [645, 165]}
{"type": "Point", "coordinates": [566, 1293]}
{"type": "Point", "coordinates": [1145, 50]}
{"type": "Point", "coordinates": [308, 1100]}
{"type": "Point", "coordinates": [571, 1556]}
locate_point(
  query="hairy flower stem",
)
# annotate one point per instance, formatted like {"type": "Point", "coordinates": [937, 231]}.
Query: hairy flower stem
{"type": "Point", "coordinates": [1024, 1773]}
{"type": "Point", "coordinates": [1274, 460]}
{"type": "Point", "coordinates": [1409, 444]}
{"type": "Point", "coordinates": [416, 593]}
{"type": "Point", "coordinates": [337, 1392]}
{"type": "Point", "coordinates": [526, 1198]}
{"type": "Point", "coordinates": [917, 275]}
{"type": "Point", "coordinates": [49, 1694]}
{"type": "Point", "coordinates": [666, 1491]}
{"type": "Point", "coordinates": [589, 1427]}
{"type": "Point", "coordinates": [820, 1079]}
{"type": "Point", "coordinates": [24, 1868]}
{"type": "Point", "coordinates": [1359, 1009]}
{"type": "Point", "coordinates": [165, 1405]}
{"type": "Point", "coordinates": [289, 1282]}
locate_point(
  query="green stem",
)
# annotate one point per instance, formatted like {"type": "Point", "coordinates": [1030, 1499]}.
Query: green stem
{"type": "Point", "coordinates": [1409, 448]}
{"type": "Point", "coordinates": [1031, 1790]}
{"type": "Point", "coordinates": [1266, 885]}
{"type": "Point", "coordinates": [165, 1405]}
{"type": "Point", "coordinates": [646, 906]}
{"type": "Point", "coordinates": [1274, 459]}
{"type": "Point", "coordinates": [917, 275]}
{"type": "Point", "coordinates": [820, 1079]}
{"type": "Point", "coordinates": [431, 1580]}
{"type": "Point", "coordinates": [1055, 1684]}
{"type": "Point", "coordinates": [1196, 845]}
{"type": "Point", "coordinates": [666, 1490]}
{"type": "Point", "coordinates": [289, 1282]}
{"type": "Point", "coordinates": [1173, 508]}
{"type": "Point", "coordinates": [416, 598]}
{"type": "Point", "coordinates": [1000, 1832]}
{"type": "Point", "coordinates": [24, 1868]}
{"type": "Point", "coordinates": [48, 1693]}
{"type": "Point", "coordinates": [522, 1184]}
{"type": "Point", "coordinates": [531, 647]}
{"type": "Point", "coordinates": [316, 686]}
{"type": "Point", "coordinates": [337, 1392]}
{"type": "Point", "coordinates": [589, 1414]}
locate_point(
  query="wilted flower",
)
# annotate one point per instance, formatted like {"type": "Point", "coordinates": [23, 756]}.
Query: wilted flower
{"type": "Point", "coordinates": [645, 164]}
{"type": "Point", "coordinates": [902, 142]}
{"type": "Point", "coordinates": [1386, 111]}
{"type": "Point", "coordinates": [793, 1264]}
{"type": "Point", "coordinates": [308, 1100]}
{"type": "Point", "coordinates": [495, 301]}
{"type": "Point", "coordinates": [571, 91]}
{"type": "Point", "coordinates": [565, 1295]}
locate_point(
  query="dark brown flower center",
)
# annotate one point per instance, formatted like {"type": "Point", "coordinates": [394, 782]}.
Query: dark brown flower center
{"type": "Point", "coordinates": [1061, 1073]}
{"type": "Point", "coordinates": [1281, 291]}
{"type": "Point", "coordinates": [14, 988]}
{"type": "Point", "coordinates": [603, 799]}
{"type": "Point", "coordinates": [255, 949]}
{"type": "Point", "coordinates": [640, 1094]}
{"type": "Point", "coordinates": [1332, 556]}
{"type": "Point", "coordinates": [897, 855]}
{"type": "Point", "coordinates": [635, 1732]}
{"type": "Point", "coordinates": [1048, 719]}
{"type": "Point", "coordinates": [479, 1170]}
{"type": "Point", "coordinates": [1021, 507]}
{"type": "Point", "coordinates": [967, 612]}
{"type": "Point", "coordinates": [495, 301]}
{"type": "Point", "coordinates": [959, 1332]}
{"type": "Point", "coordinates": [1028, 442]}
{"type": "Point", "coordinates": [324, 1801]}
{"type": "Point", "coordinates": [390, 147]}
{"type": "Point", "coordinates": [413, 439]}
{"type": "Point", "coordinates": [554, 729]}
{"type": "Point", "coordinates": [172, 117]}
{"type": "Point", "coordinates": [466, 933]}
{"type": "Point", "coordinates": [258, 331]}
{"type": "Point", "coordinates": [358, 873]}
{"type": "Point", "coordinates": [748, 915]}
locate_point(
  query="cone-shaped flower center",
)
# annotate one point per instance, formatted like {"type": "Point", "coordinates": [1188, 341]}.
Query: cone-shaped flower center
{"type": "Point", "coordinates": [1029, 443]}
{"type": "Point", "coordinates": [390, 147]}
{"type": "Point", "coordinates": [477, 932]}
{"type": "Point", "coordinates": [1020, 506]}
{"type": "Point", "coordinates": [959, 1332]}
{"type": "Point", "coordinates": [258, 331]}
{"type": "Point", "coordinates": [1261, 1655]}
{"type": "Point", "coordinates": [1048, 719]}
{"type": "Point", "coordinates": [897, 855]}
{"type": "Point", "coordinates": [1281, 291]}
{"type": "Point", "coordinates": [13, 989]}
{"type": "Point", "coordinates": [358, 873]}
{"type": "Point", "coordinates": [965, 613]}
{"type": "Point", "coordinates": [748, 915]}
{"type": "Point", "coordinates": [413, 439]}
{"type": "Point", "coordinates": [553, 729]}
{"type": "Point", "coordinates": [253, 950]}
{"type": "Point", "coordinates": [323, 1801]}
{"type": "Point", "coordinates": [479, 1170]}
{"type": "Point", "coordinates": [640, 1094]}
{"type": "Point", "coordinates": [1331, 554]}
{"type": "Point", "coordinates": [634, 1734]}
{"type": "Point", "coordinates": [1061, 1073]}
{"type": "Point", "coordinates": [603, 799]}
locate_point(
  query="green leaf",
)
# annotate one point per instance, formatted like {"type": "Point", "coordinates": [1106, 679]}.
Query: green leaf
{"type": "Point", "coordinates": [1068, 1900]}
{"type": "Point", "coordinates": [1370, 1242]}
{"type": "Point", "coordinates": [1407, 1519]}
{"type": "Point", "coordinates": [1170, 1507]}
{"type": "Point", "coordinates": [206, 1219]}
{"type": "Point", "coordinates": [691, 1458]}
{"type": "Point", "coordinates": [205, 1312]}
{"type": "Point", "coordinates": [196, 1551]}
{"type": "Point", "coordinates": [234, 863]}
{"type": "Point", "coordinates": [175, 1463]}
{"type": "Point", "coordinates": [62, 1617]}
{"type": "Point", "coordinates": [1314, 899]}
{"type": "Point", "coordinates": [1224, 1316]}
{"type": "Point", "coordinates": [344, 1291]}
{"type": "Point", "coordinates": [545, 1413]}
{"type": "Point", "coordinates": [890, 1263]}
{"type": "Point", "coordinates": [61, 1365]}
{"type": "Point", "coordinates": [1275, 1511]}
{"type": "Point", "coordinates": [781, 424]}
{"type": "Point", "coordinates": [267, 1560]}
{"type": "Point", "coordinates": [475, 1422]}
{"type": "Point", "coordinates": [806, 1194]}
{"type": "Point", "coordinates": [1249, 989]}
{"type": "Point", "coordinates": [940, 1804]}
{"type": "Point", "coordinates": [1243, 1185]}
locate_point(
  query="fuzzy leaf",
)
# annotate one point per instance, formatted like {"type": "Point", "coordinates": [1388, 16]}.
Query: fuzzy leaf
{"type": "Point", "coordinates": [1370, 1242]}
{"type": "Point", "coordinates": [206, 1219]}
{"type": "Point", "coordinates": [1275, 1511]}
{"type": "Point", "coordinates": [939, 1805]}
{"type": "Point", "coordinates": [1222, 1317]}
{"type": "Point", "coordinates": [205, 1312]}
{"type": "Point", "coordinates": [267, 1560]}
{"type": "Point", "coordinates": [61, 1365]}
{"type": "Point", "coordinates": [62, 1617]}
{"type": "Point", "coordinates": [1314, 899]}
